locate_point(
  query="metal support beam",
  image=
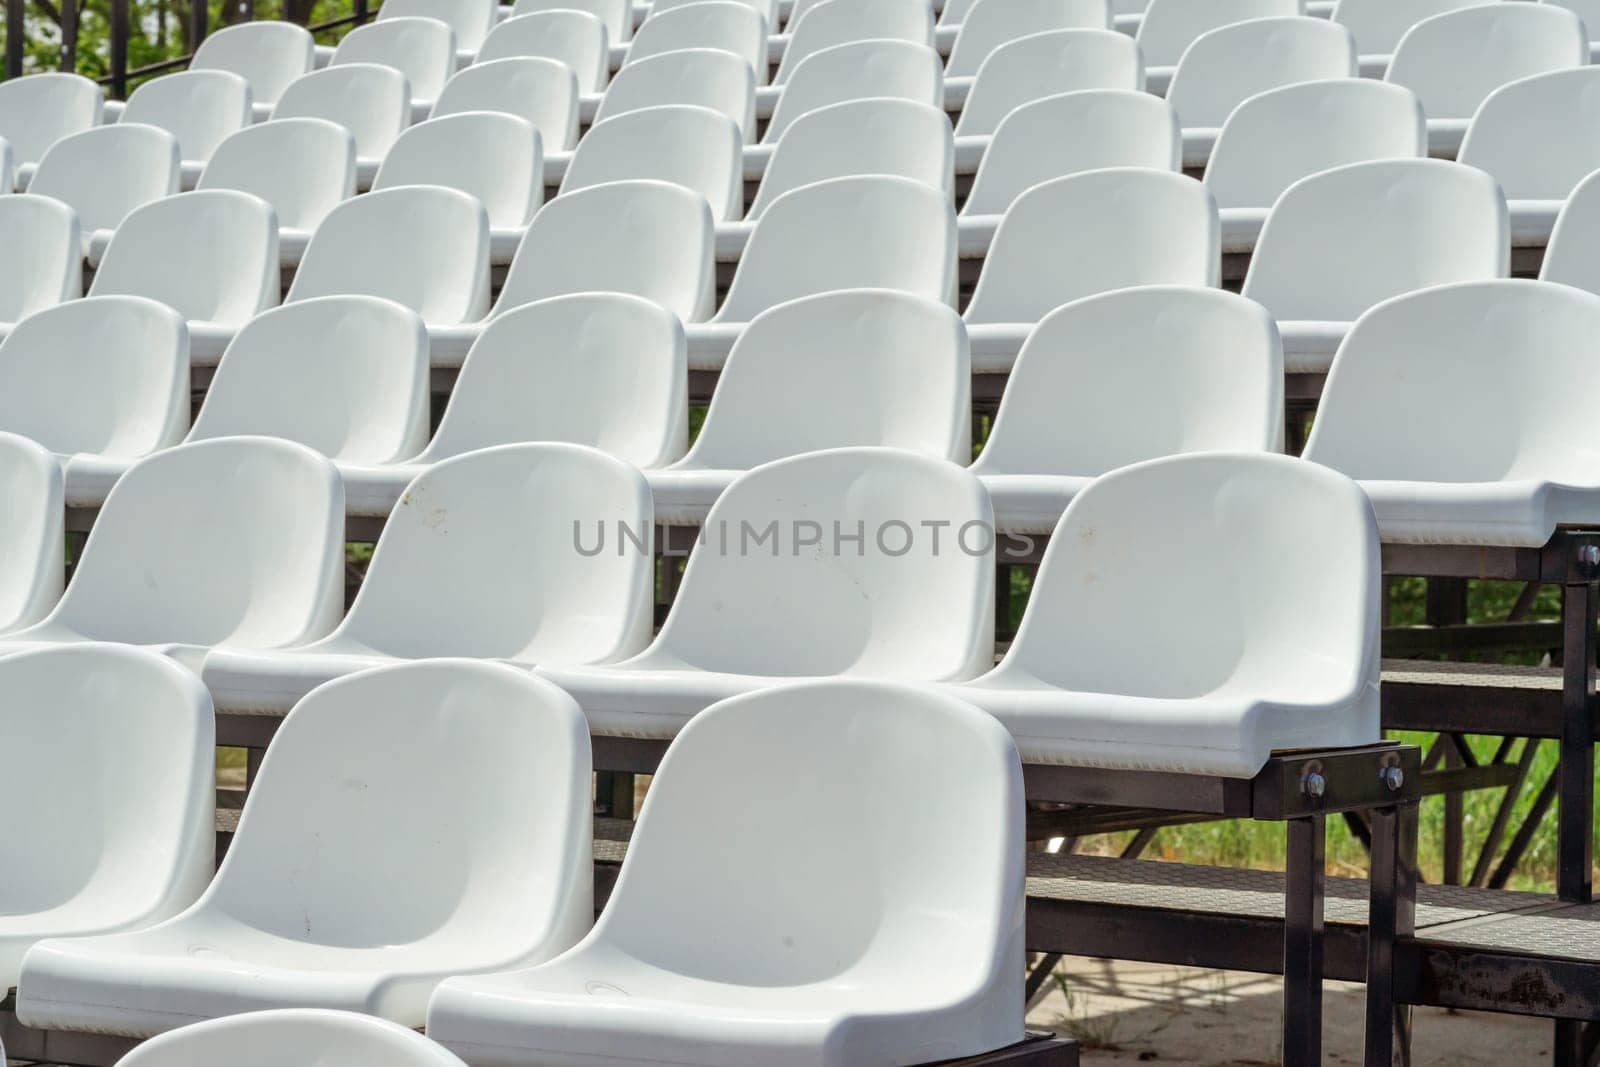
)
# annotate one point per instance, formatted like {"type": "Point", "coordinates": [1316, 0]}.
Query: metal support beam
{"type": "Point", "coordinates": [1575, 837]}
{"type": "Point", "coordinates": [16, 31]}
{"type": "Point", "coordinates": [1302, 942]}
{"type": "Point", "coordinates": [1391, 914]}
{"type": "Point", "coordinates": [119, 48]}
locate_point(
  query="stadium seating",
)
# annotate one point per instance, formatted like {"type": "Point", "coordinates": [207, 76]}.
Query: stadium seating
{"type": "Point", "coordinates": [542, 92]}
{"type": "Point", "coordinates": [200, 108]}
{"type": "Point", "coordinates": [1277, 138]}
{"type": "Point", "coordinates": [41, 109]}
{"type": "Point", "coordinates": [105, 173]}
{"type": "Point", "coordinates": [291, 1035]}
{"type": "Point", "coordinates": [769, 956]}
{"type": "Point", "coordinates": [41, 261]}
{"type": "Point", "coordinates": [1341, 241]}
{"type": "Point", "coordinates": [857, 71]}
{"type": "Point", "coordinates": [302, 167]}
{"type": "Point", "coordinates": [1123, 377]}
{"type": "Point", "coordinates": [988, 26]}
{"type": "Point", "coordinates": [1047, 64]}
{"type": "Point", "coordinates": [132, 844]}
{"type": "Point", "coordinates": [370, 100]}
{"type": "Point", "coordinates": [469, 20]}
{"type": "Point", "coordinates": [1589, 11]}
{"type": "Point", "coordinates": [1440, 404]}
{"type": "Point", "coordinates": [422, 49]}
{"type": "Point", "coordinates": [864, 367]}
{"type": "Point", "coordinates": [1378, 25]}
{"type": "Point", "coordinates": [8, 167]}
{"type": "Point", "coordinates": [727, 25]}
{"type": "Point", "coordinates": [616, 15]}
{"type": "Point", "coordinates": [767, 8]}
{"type": "Point", "coordinates": [1170, 27]}
{"type": "Point", "coordinates": [267, 55]}
{"type": "Point", "coordinates": [575, 38]}
{"type": "Point", "coordinates": [700, 77]}
{"type": "Point", "coordinates": [31, 533]}
{"type": "Point", "coordinates": [1572, 257]}
{"type": "Point", "coordinates": [835, 22]}
{"type": "Point", "coordinates": [1454, 60]}
{"type": "Point", "coordinates": [695, 147]}
{"type": "Point", "coordinates": [486, 768]}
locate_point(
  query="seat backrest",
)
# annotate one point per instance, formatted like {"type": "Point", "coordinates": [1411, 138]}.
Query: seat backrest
{"type": "Point", "coordinates": [41, 256]}
{"type": "Point", "coordinates": [1538, 136]}
{"type": "Point", "coordinates": [617, 15]}
{"type": "Point", "coordinates": [268, 54]}
{"type": "Point", "coordinates": [1236, 611]}
{"type": "Point", "coordinates": [438, 584]}
{"type": "Point", "coordinates": [650, 238]}
{"type": "Point", "coordinates": [1378, 25]}
{"type": "Point", "coordinates": [842, 21]}
{"type": "Point", "coordinates": [863, 232]}
{"type": "Point", "coordinates": [422, 49]}
{"type": "Point", "coordinates": [1343, 240]}
{"type": "Point", "coordinates": [1227, 66]}
{"type": "Point", "coordinates": [106, 172]}
{"type": "Point", "coordinates": [543, 92]}
{"type": "Point", "coordinates": [1169, 27]}
{"type": "Point", "coordinates": [1587, 10]}
{"type": "Point", "coordinates": [907, 360]}
{"type": "Point", "coordinates": [198, 107]}
{"type": "Point", "coordinates": [826, 563]}
{"type": "Point", "coordinates": [1453, 61]}
{"type": "Point", "coordinates": [606, 370]}
{"type": "Point", "coordinates": [370, 100]}
{"type": "Point", "coordinates": [32, 537]}
{"type": "Point", "coordinates": [1134, 374]}
{"type": "Point", "coordinates": [694, 147]}
{"type": "Point", "coordinates": [1093, 232]}
{"type": "Point", "coordinates": [302, 167]}
{"type": "Point", "coordinates": [495, 157]}
{"type": "Point", "coordinates": [575, 38]}
{"type": "Point", "coordinates": [990, 25]}
{"type": "Point", "coordinates": [266, 1038]}
{"type": "Point", "coordinates": [106, 375]}
{"type": "Point", "coordinates": [1048, 64]}
{"type": "Point", "coordinates": [237, 541]}
{"type": "Point", "coordinates": [480, 791]}
{"type": "Point", "coordinates": [699, 77]}
{"type": "Point", "coordinates": [422, 246]}
{"type": "Point", "coordinates": [1110, 128]}
{"type": "Point", "coordinates": [768, 9]}
{"type": "Point", "coordinates": [730, 25]}
{"type": "Point", "coordinates": [873, 136]}
{"type": "Point", "coordinates": [141, 730]}
{"type": "Point", "coordinates": [224, 279]}
{"type": "Point", "coordinates": [794, 915]}
{"type": "Point", "coordinates": [38, 110]}
{"type": "Point", "coordinates": [344, 375]}
{"type": "Point", "coordinates": [469, 20]}
{"type": "Point", "coordinates": [1573, 255]}
{"type": "Point", "coordinates": [1276, 138]}
{"type": "Point", "coordinates": [1459, 384]}
{"type": "Point", "coordinates": [857, 71]}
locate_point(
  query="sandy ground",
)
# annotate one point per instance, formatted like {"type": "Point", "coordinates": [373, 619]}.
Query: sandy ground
{"type": "Point", "coordinates": [1148, 1013]}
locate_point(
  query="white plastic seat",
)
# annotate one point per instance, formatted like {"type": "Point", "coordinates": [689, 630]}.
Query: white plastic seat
{"type": "Point", "coordinates": [1276, 138]}
{"type": "Point", "coordinates": [1378, 25]}
{"type": "Point", "coordinates": [291, 1035]}
{"type": "Point", "coordinates": [1455, 60]}
{"type": "Point", "coordinates": [1572, 258]}
{"type": "Point", "coordinates": [38, 110]}
{"type": "Point", "coordinates": [1227, 66]}
{"type": "Point", "coordinates": [198, 107]}
{"type": "Point", "coordinates": [31, 540]}
{"type": "Point", "coordinates": [236, 541]}
{"type": "Point", "coordinates": [604, 370]}
{"type": "Point", "coordinates": [1341, 241]}
{"type": "Point", "coordinates": [862, 232]}
{"type": "Point", "coordinates": [1169, 27]}
{"type": "Point", "coordinates": [41, 262]}
{"type": "Point", "coordinates": [217, 283]}
{"type": "Point", "coordinates": [469, 20]}
{"type": "Point", "coordinates": [495, 157]}
{"type": "Point", "coordinates": [98, 381]}
{"type": "Point", "coordinates": [1047, 64]}
{"type": "Point", "coordinates": [1123, 377]}
{"type": "Point", "coordinates": [810, 974]}
{"type": "Point", "coordinates": [781, 591]}
{"type": "Point", "coordinates": [575, 38]}
{"type": "Point", "coordinates": [874, 136]}
{"type": "Point", "coordinates": [438, 584]}
{"type": "Point", "coordinates": [726, 24]}
{"type": "Point", "coordinates": [1589, 11]}
{"type": "Point", "coordinates": [370, 100]}
{"type": "Point", "coordinates": [542, 92]}
{"type": "Point", "coordinates": [8, 167]}
{"type": "Point", "coordinates": [699, 77]}
{"type": "Point", "coordinates": [835, 22]}
{"type": "Point", "coordinates": [473, 815]}
{"type": "Point", "coordinates": [617, 15]}
{"type": "Point", "coordinates": [768, 9]}
{"type": "Point", "coordinates": [134, 846]}
{"type": "Point", "coordinates": [694, 147]}
{"type": "Point", "coordinates": [302, 167]}
{"type": "Point", "coordinates": [988, 26]}
{"type": "Point", "coordinates": [1088, 233]}
{"type": "Point", "coordinates": [422, 49]}
{"type": "Point", "coordinates": [857, 71]}
{"type": "Point", "coordinates": [422, 246]}
{"type": "Point", "coordinates": [1259, 652]}
{"type": "Point", "coordinates": [1539, 137]}
{"type": "Point", "coordinates": [105, 173]}
{"type": "Point", "coordinates": [905, 359]}
{"type": "Point", "coordinates": [268, 54]}
{"type": "Point", "coordinates": [1463, 413]}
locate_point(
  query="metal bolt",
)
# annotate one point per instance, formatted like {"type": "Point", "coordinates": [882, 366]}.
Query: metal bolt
{"type": "Point", "coordinates": [1314, 785]}
{"type": "Point", "coordinates": [1588, 558]}
{"type": "Point", "coordinates": [1393, 778]}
